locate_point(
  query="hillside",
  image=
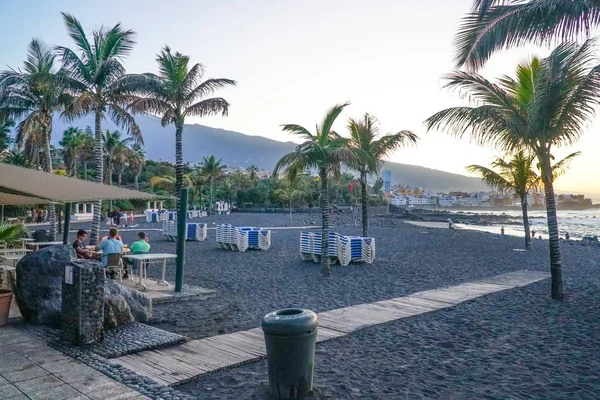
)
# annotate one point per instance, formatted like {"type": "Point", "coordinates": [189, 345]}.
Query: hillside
{"type": "Point", "coordinates": [237, 149]}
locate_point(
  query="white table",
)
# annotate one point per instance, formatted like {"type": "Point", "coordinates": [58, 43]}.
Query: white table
{"type": "Point", "coordinates": [14, 251]}
{"type": "Point", "coordinates": [25, 240]}
{"type": "Point", "coordinates": [37, 245]}
{"type": "Point", "coordinates": [138, 258]}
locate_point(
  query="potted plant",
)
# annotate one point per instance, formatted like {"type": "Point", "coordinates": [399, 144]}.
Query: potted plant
{"type": "Point", "coordinates": [9, 236]}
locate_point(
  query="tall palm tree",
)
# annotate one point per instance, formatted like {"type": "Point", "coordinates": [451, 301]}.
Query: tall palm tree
{"type": "Point", "coordinates": [496, 24]}
{"type": "Point", "coordinates": [114, 148]}
{"type": "Point", "coordinates": [198, 181]}
{"type": "Point", "coordinates": [33, 95]}
{"type": "Point", "coordinates": [323, 150]}
{"type": "Point", "coordinates": [518, 176]}
{"type": "Point", "coordinates": [212, 169]}
{"type": "Point", "coordinates": [176, 93]}
{"type": "Point", "coordinates": [369, 153]}
{"type": "Point", "coordinates": [168, 183]}
{"type": "Point", "coordinates": [99, 70]}
{"type": "Point", "coordinates": [547, 105]}
{"type": "Point", "coordinates": [137, 160]}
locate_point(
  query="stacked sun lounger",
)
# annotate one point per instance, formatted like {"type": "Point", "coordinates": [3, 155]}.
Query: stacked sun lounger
{"type": "Point", "coordinates": [152, 216]}
{"type": "Point", "coordinates": [194, 214]}
{"type": "Point", "coordinates": [242, 238]}
{"type": "Point", "coordinates": [193, 231]}
{"type": "Point", "coordinates": [342, 249]}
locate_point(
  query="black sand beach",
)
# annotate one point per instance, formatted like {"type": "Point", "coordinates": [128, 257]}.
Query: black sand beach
{"type": "Point", "coordinates": [511, 345]}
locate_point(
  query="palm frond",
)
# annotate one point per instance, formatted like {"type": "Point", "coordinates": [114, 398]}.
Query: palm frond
{"type": "Point", "coordinates": [207, 107]}
{"type": "Point", "coordinates": [491, 178]}
{"type": "Point", "coordinates": [560, 167]}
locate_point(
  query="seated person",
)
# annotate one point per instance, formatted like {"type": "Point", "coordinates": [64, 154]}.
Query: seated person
{"type": "Point", "coordinates": [140, 246]}
{"type": "Point", "coordinates": [110, 246]}
{"type": "Point", "coordinates": [79, 245]}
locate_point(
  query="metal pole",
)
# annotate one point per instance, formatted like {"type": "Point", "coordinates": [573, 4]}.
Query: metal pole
{"type": "Point", "coordinates": [2, 215]}
{"type": "Point", "coordinates": [67, 223]}
{"type": "Point", "coordinates": [181, 225]}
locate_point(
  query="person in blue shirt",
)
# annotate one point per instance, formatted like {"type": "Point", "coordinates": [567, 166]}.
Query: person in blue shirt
{"type": "Point", "coordinates": [110, 246]}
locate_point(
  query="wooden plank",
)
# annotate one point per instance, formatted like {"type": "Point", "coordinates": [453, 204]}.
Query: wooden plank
{"type": "Point", "coordinates": [245, 342]}
{"type": "Point", "coordinates": [516, 278]}
{"type": "Point", "coordinates": [237, 348]}
{"type": "Point", "coordinates": [191, 356]}
{"type": "Point", "coordinates": [407, 308]}
{"type": "Point", "coordinates": [213, 355]}
{"type": "Point", "coordinates": [429, 305]}
{"type": "Point", "coordinates": [324, 334]}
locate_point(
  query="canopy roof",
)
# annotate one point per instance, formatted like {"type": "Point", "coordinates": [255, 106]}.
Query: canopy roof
{"type": "Point", "coordinates": [7, 199]}
{"type": "Point", "coordinates": [42, 185]}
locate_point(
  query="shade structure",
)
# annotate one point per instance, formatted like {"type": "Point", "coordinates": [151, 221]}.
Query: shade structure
{"type": "Point", "coordinates": [8, 199]}
{"type": "Point", "coordinates": [42, 185]}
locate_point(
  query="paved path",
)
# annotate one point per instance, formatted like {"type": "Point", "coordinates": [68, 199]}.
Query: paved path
{"type": "Point", "coordinates": [178, 364]}
{"type": "Point", "coordinates": [29, 369]}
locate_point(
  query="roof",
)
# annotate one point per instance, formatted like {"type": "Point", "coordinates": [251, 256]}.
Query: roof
{"type": "Point", "coordinates": [7, 199]}
{"type": "Point", "coordinates": [62, 189]}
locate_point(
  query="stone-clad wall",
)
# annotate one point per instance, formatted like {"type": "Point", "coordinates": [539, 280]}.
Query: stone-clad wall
{"type": "Point", "coordinates": [83, 302]}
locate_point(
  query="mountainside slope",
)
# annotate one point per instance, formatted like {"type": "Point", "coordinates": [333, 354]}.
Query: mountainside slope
{"type": "Point", "coordinates": [240, 150]}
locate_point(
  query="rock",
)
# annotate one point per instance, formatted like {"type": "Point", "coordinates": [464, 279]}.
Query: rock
{"type": "Point", "coordinates": [39, 284]}
{"type": "Point", "coordinates": [116, 311]}
{"type": "Point", "coordinates": [140, 305]}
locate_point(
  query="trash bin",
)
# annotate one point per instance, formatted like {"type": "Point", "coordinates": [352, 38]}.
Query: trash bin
{"type": "Point", "coordinates": [290, 338]}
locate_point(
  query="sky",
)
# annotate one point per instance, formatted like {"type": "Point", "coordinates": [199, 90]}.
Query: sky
{"type": "Point", "coordinates": [293, 60]}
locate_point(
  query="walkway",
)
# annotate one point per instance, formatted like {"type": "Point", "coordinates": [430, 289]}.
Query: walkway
{"type": "Point", "coordinates": [29, 369]}
{"type": "Point", "coordinates": [178, 364]}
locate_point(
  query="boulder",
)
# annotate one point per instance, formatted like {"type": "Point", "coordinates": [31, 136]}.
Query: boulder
{"type": "Point", "coordinates": [39, 284]}
{"type": "Point", "coordinates": [123, 305]}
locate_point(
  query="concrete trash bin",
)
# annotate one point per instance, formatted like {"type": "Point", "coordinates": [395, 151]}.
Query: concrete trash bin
{"type": "Point", "coordinates": [290, 338]}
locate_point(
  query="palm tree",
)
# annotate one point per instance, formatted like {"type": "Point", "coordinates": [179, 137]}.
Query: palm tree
{"type": "Point", "coordinates": [546, 106]}
{"type": "Point", "coordinates": [17, 158]}
{"type": "Point", "coordinates": [137, 160]}
{"type": "Point", "coordinates": [289, 194]}
{"type": "Point", "coordinates": [33, 96]}
{"type": "Point", "coordinates": [5, 127]}
{"type": "Point", "coordinates": [73, 143]}
{"type": "Point", "coordinates": [496, 24]}
{"type": "Point", "coordinates": [198, 181]}
{"type": "Point", "coordinates": [168, 183]}
{"type": "Point", "coordinates": [324, 150]}
{"type": "Point", "coordinates": [99, 70]}
{"type": "Point", "coordinates": [518, 176]}
{"type": "Point", "coordinates": [113, 148]}
{"type": "Point", "coordinates": [369, 153]}
{"type": "Point", "coordinates": [253, 173]}
{"type": "Point", "coordinates": [176, 93]}
{"type": "Point", "coordinates": [212, 169]}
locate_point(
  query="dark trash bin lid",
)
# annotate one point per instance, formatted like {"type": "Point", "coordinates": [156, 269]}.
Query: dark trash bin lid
{"type": "Point", "coordinates": [290, 321]}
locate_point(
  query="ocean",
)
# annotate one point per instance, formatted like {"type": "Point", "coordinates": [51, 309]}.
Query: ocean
{"type": "Point", "coordinates": [578, 223]}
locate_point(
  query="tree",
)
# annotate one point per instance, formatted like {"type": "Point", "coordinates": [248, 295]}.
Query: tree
{"type": "Point", "coordinates": [17, 158]}
{"type": "Point", "coordinates": [547, 105]}
{"type": "Point", "coordinates": [324, 150]}
{"type": "Point", "coordinates": [137, 159]}
{"type": "Point", "coordinates": [496, 24]}
{"type": "Point", "coordinates": [168, 183]}
{"type": "Point", "coordinates": [175, 93]}
{"type": "Point", "coordinates": [212, 170]}
{"type": "Point", "coordinates": [99, 71]}
{"type": "Point", "coordinates": [5, 140]}
{"type": "Point", "coordinates": [289, 194]}
{"type": "Point", "coordinates": [518, 176]}
{"type": "Point", "coordinates": [114, 147]}
{"type": "Point", "coordinates": [253, 173]}
{"type": "Point", "coordinates": [73, 142]}
{"type": "Point", "coordinates": [369, 153]}
{"type": "Point", "coordinates": [33, 95]}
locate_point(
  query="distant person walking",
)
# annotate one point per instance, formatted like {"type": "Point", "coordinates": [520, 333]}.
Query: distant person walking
{"type": "Point", "coordinates": [502, 231]}
{"type": "Point", "coordinates": [533, 233]}
{"type": "Point", "coordinates": [450, 224]}
{"type": "Point", "coordinates": [567, 236]}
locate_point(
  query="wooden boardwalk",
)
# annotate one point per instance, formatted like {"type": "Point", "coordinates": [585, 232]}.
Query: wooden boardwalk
{"type": "Point", "coordinates": [179, 364]}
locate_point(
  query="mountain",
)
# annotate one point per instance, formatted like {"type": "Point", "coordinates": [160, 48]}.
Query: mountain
{"type": "Point", "coordinates": [240, 150]}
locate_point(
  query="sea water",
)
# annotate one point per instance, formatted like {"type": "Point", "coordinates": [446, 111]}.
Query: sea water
{"type": "Point", "coordinates": [578, 223]}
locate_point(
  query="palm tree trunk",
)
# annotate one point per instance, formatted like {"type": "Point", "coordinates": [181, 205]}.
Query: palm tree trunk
{"type": "Point", "coordinates": [99, 166]}
{"type": "Point", "coordinates": [85, 170]}
{"type": "Point", "coordinates": [554, 240]}
{"type": "Point", "coordinates": [526, 222]}
{"type": "Point", "coordinates": [211, 207]}
{"type": "Point", "coordinates": [135, 179]}
{"type": "Point", "coordinates": [75, 168]}
{"type": "Point", "coordinates": [47, 127]}
{"type": "Point", "coordinates": [119, 177]}
{"type": "Point", "coordinates": [291, 217]}
{"type": "Point", "coordinates": [178, 161]}
{"type": "Point", "coordinates": [325, 267]}
{"type": "Point", "coordinates": [365, 206]}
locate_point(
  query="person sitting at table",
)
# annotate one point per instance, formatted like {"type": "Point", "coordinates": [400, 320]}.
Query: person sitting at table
{"type": "Point", "coordinates": [79, 245]}
{"type": "Point", "coordinates": [140, 246]}
{"type": "Point", "coordinates": [110, 246]}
